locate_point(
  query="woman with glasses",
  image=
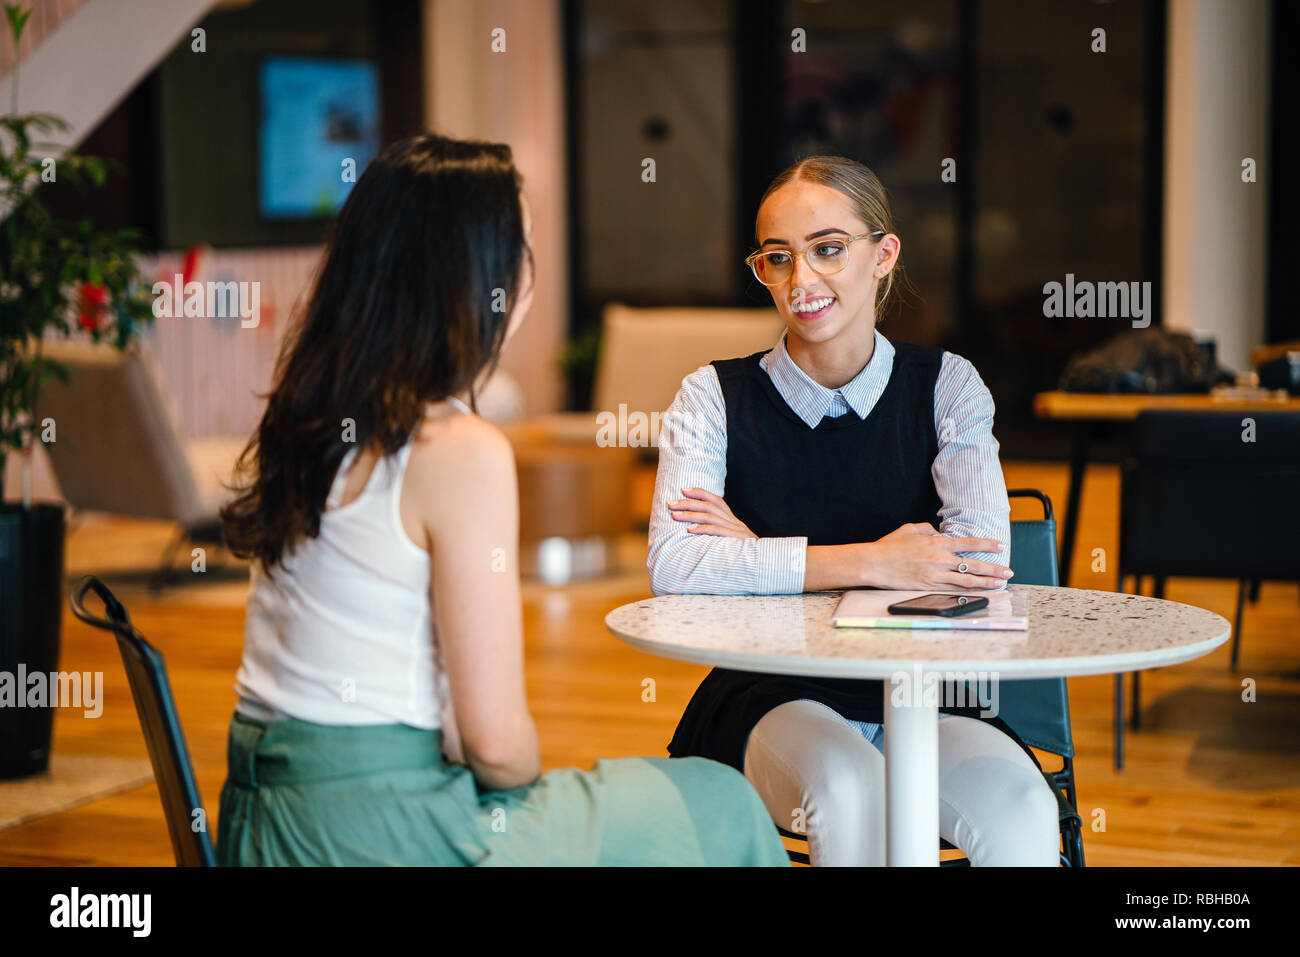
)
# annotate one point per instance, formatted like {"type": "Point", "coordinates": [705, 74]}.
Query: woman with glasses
{"type": "Point", "coordinates": [382, 717]}
{"type": "Point", "coordinates": [826, 462]}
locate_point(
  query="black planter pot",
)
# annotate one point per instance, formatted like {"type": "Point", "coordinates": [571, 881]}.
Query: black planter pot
{"type": "Point", "coordinates": [31, 618]}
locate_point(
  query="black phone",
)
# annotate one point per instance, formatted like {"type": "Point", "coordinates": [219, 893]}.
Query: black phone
{"type": "Point", "coordinates": [947, 605]}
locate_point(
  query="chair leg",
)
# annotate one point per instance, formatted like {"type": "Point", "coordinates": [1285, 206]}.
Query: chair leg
{"type": "Point", "coordinates": [1073, 840]}
{"type": "Point", "coordinates": [1236, 626]}
{"type": "Point", "coordinates": [1119, 722]}
{"type": "Point", "coordinates": [1254, 590]}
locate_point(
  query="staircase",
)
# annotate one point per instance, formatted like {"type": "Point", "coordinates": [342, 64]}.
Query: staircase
{"type": "Point", "coordinates": [80, 58]}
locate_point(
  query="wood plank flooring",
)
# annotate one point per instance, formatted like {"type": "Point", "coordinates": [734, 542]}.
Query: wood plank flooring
{"type": "Point", "coordinates": [1209, 779]}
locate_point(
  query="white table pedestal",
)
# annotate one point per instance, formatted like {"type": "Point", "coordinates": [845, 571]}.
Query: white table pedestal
{"type": "Point", "coordinates": [911, 777]}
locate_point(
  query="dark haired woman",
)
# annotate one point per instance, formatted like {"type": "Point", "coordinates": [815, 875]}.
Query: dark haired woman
{"type": "Point", "coordinates": [384, 627]}
{"type": "Point", "coordinates": [838, 450]}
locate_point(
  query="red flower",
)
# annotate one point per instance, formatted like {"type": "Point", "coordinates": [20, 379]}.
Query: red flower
{"type": "Point", "coordinates": [91, 299]}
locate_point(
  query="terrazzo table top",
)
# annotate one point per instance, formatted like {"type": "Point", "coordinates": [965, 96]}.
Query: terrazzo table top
{"type": "Point", "coordinates": [1072, 631]}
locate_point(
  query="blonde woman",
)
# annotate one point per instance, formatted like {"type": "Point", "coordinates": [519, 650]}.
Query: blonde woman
{"type": "Point", "coordinates": [828, 462]}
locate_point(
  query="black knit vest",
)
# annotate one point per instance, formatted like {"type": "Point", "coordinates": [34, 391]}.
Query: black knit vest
{"type": "Point", "coordinates": [847, 480]}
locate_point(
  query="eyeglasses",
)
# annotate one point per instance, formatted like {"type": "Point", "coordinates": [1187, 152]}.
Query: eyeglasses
{"type": "Point", "coordinates": [826, 257]}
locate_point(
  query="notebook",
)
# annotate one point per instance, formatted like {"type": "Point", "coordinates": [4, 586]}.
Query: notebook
{"type": "Point", "coordinates": [869, 608]}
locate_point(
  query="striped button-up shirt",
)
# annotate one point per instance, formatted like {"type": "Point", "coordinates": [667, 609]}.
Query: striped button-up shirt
{"type": "Point", "coordinates": [693, 454]}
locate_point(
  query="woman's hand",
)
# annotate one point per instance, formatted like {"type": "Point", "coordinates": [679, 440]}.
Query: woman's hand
{"type": "Point", "coordinates": [711, 514]}
{"type": "Point", "coordinates": [916, 556]}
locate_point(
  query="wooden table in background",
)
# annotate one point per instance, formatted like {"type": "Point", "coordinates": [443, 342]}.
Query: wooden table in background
{"type": "Point", "coordinates": [1086, 409]}
{"type": "Point", "coordinates": [575, 496]}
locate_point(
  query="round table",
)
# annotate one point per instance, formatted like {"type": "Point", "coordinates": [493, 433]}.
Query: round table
{"type": "Point", "coordinates": [1072, 631]}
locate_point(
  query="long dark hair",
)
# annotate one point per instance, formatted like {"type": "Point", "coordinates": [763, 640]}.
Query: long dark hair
{"type": "Point", "coordinates": [410, 306]}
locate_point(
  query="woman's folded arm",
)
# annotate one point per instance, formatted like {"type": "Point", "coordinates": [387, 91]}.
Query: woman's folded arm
{"type": "Point", "coordinates": [693, 454]}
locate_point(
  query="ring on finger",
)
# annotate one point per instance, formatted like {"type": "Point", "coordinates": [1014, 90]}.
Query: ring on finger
{"type": "Point", "coordinates": [963, 568]}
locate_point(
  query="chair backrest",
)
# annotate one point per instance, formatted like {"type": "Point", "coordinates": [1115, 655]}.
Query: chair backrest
{"type": "Point", "coordinates": [1037, 709]}
{"type": "Point", "coordinates": [1210, 477]}
{"type": "Point", "coordinates": [118, 446]}
{"type": "Point", "coordinates": [645, 353]}
{"type": "Point", "coordinates": [161, 725]}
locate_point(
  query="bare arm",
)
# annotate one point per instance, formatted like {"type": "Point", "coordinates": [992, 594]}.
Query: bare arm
{"type": "Point", "coordinates": [466, 475]}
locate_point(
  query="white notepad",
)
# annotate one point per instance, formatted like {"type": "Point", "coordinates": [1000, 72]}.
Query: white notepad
{"type": "Point", "coordinates": [869, 608]}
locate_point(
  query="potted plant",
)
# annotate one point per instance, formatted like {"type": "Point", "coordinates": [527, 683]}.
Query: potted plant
{"type": "Point", "coordinates": [56, 277]}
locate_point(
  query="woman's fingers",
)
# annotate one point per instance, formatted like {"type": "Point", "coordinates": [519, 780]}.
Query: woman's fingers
{"type": "Point", "coordinates": [701, 504]}
{"type": "Point", "coordinates": [710, 519]}
{"type": "Point", "coordinates": [698, 515]}
{"type": "Point", "coordinates": [712, 506]}
{"type": "Point", "coordinates": [705, 494]}
{"type": "Point", "coordinates": [711, 513]}
{"type": "Point", "coordinates": [972, 581]}
{"type": "Point", "coordinates": [727, 531]}
{"type": "Point", "coordinates": [987, 569]}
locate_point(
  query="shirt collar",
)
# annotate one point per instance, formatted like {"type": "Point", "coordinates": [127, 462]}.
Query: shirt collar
{"type": "Point", "coordinates": [811, 400]}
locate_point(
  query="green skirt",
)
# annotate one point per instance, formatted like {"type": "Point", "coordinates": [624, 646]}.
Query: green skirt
{"type": "Point", "coordinates": [299, 793]}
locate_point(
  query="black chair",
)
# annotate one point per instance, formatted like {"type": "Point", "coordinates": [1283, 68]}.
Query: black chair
{"type": "Point", "coordinates": [1038, 709]}
{"type": "Point", "coordinates": [186, 819]}
{"type": "Point", "coordinates": [1199, 500]}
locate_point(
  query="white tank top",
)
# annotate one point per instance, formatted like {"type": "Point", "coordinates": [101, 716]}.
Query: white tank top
{"type": "Point", "coordinates": [342, 632]}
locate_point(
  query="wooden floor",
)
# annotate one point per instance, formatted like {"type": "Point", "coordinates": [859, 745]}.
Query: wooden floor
{"type": "Point", "coordinates": [1209, 780]}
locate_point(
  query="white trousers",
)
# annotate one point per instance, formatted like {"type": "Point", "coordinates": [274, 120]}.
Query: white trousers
{"type": "Point", "coordinates": [812, 767]}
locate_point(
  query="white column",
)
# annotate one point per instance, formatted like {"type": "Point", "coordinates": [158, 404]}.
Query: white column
{"type": "Point", "coordinates": [1215, 225]}
{"type": "Point", "coordinates": [515, 97]}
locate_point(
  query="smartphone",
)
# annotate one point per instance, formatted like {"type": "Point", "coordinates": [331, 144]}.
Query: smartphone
{"type": "Point", "coordinates": [946, 605]}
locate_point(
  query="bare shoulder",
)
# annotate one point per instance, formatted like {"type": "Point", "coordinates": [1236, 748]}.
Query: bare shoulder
{"type": "Point", "coordinates": [453, 452]}
{"type": "Point", "coordinates": [460, 475]}
{"type": "Point", "coordinates": [449, 436]}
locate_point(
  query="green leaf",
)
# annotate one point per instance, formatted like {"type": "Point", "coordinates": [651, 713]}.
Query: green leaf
{"type": "Point", "coordinates": [45, 122]}
{"type": "Point", "coordinates": [45, 258]}
{"type": "Point", "coordinates": [17, 18]}
{"type": "Point", "coordinates": [95, 169]}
